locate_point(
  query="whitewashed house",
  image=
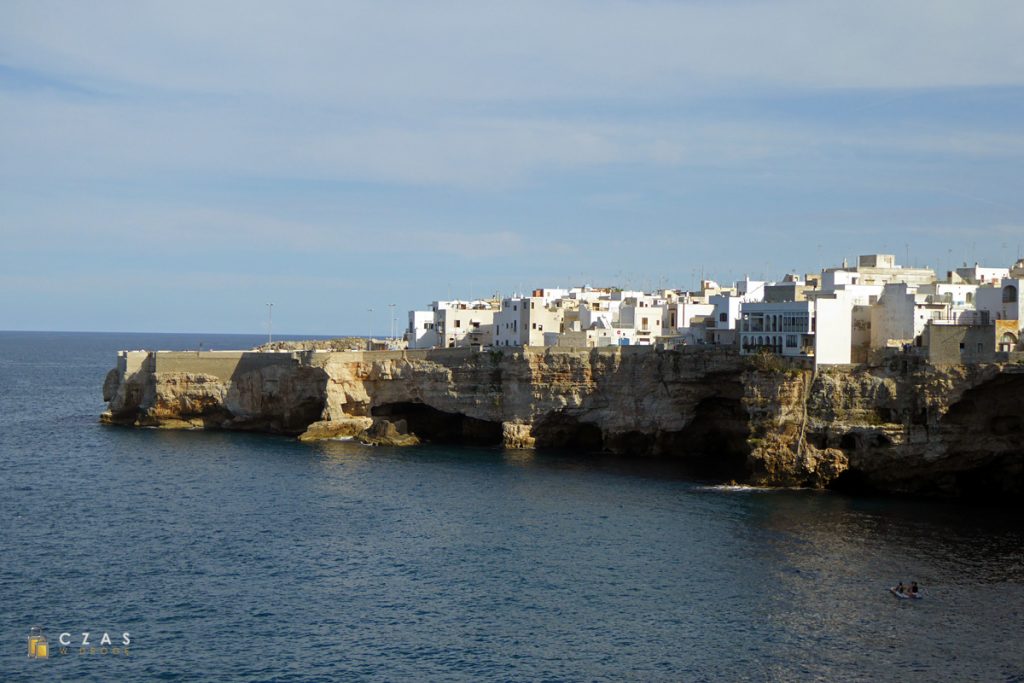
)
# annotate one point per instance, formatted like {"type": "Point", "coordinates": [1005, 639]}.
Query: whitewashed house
{"type": "Point", "coordinates": [452, 323]}
{"type": "Point", "coordinates": [687, 319]}
{"type": "Point", "coordinates": [875, 269]}
{"type": "Point", "coordinates": [643, 314]}
{"type": "Point", "coordinates": [723, 323]}
{"type": "Point", "coordinates": [978, 275]}
{"type": "Point", "coordinates": [1002, 301]}
{"type": "Point", "coordinates": [420, 334]}
{"type": "Point", "coordinates": [901, 314]}
{"type": "Point", "coordinates": [523, 321]}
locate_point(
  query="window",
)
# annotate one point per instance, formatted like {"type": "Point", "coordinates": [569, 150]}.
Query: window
{"type": "Point", "coordinates": [722, 317]}
{"type": "Point", "coordinates": [791, 341]}
{"type": "Point", "coordinates": [1009, 294]}
{"type": "Point", "coordinates": [458, 323]}
{"type": "Point", "coordinates": [961, 346]}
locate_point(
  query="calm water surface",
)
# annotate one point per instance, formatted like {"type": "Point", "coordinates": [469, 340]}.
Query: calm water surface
{"type": "Point", "coordinates": [245, 557]}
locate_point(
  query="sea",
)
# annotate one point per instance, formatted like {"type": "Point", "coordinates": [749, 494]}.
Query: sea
{"type": "Point", "coordinates": [244, 557]}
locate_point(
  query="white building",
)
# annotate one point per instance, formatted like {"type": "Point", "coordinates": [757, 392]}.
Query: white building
{"type": "Point", "coordinates": [875, 269]}
{"type": "Point", "coordinates": [785, 328]}
{"type": "Point", "coordinates": [645, 315]}
{"type": "Point", "coordinates": [452, 323]}
{"type": "Point", "coordinates": [687, 319]}
{"type": "Point", "coordinates": [600, 311]}
{"type": "Point", "coordinates": [978, 275]}
{"type": "Point", "coordinates": [901, 314]}
{"type": "Point", "coordinates": [522, 321]}
{"type": "Point", "coordinates": [959, 296]}
{"type": "Point", "coordinates": [1002, 301]}
{"type": "Point", "coordinates": [420, 334]}
{"type": "Point", "coordinates": [833, 326]}
{"type": "Point", "coordinates": [722, 324]}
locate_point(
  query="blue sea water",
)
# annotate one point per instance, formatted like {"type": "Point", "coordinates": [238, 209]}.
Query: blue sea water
{"type": "Point", "coordinates": [246, 557]}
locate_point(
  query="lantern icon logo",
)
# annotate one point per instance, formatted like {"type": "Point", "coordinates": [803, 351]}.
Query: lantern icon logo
{"type": "Point", "coordinates": [38, 647]}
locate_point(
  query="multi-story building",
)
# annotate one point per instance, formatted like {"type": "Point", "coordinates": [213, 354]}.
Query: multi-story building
{"type": "Point", "coordinates": [722, 324]}
{"type": "Point", "coordinates": [875, 269]}
{"type": "Point", "coordinates": [450, 324]}
{"type": "Point", "coordinates": [522, 321]}
{"type": "Point", "coordinates": [978, 275]}
{"type": "Point", "coordinates": [421, 334]}
{"type": "Point", "coordinates": [644, 315]}
{"type": "Point", "coordinates": [785, 328]}
{"type": "Point", "coordinates": [901, 314]}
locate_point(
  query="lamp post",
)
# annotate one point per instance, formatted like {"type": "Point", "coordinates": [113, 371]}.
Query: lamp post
{"type": "Point", "coordinates": [270, 323]}
{"type": "Point", "coordinates": [392, 307]}
{"type": "Point", "coordinates": [369, 327]}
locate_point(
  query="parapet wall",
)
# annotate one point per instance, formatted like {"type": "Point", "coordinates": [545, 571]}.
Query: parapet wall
{"type": "Point", "coordinates": [223, 365]}
{"type": "Point", "coordinates": [130, 362]}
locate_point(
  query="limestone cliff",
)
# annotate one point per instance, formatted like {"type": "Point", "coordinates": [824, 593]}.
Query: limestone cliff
{"type": "Point", "coordinates": [915, 429]}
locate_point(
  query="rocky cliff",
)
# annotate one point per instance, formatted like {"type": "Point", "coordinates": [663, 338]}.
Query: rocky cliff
{"type": "Point", "coordinates": [907, 428]}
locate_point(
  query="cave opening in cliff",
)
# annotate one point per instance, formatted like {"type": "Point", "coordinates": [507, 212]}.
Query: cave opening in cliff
{"type": "Point", "coordinates": [714, 443]}
{"type": "Point", "coordinates": [561, 431]}
{"type": "Point", "coordinates": [985, 431]}
{"type": "Point", "coordinates": [982, 451]}
{"type": "Point", "coordinates": [438, 426]}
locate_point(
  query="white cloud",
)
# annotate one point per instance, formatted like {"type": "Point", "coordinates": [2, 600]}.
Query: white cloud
{"type": "Point", "coordinates": [406, 92]}
{"type": "Point", "coordinates": [364, 54]}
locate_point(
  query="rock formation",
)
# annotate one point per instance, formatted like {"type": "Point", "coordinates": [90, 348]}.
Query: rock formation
{"type": "Point", "coordinates": [906, 428]}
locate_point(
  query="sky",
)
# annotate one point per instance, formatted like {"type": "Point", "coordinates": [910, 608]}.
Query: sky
{"type": "Point", "coordinates": [176, 166]}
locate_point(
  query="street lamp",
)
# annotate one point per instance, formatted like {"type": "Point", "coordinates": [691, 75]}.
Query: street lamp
{"type": "Point", "coordinates": [270, 323]}
{"type": "Point", "coordinates": [369, 327]}
{"type": "Point", "coordinates": [392, 307]}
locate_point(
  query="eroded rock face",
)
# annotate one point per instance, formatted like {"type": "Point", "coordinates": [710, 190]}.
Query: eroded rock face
{"type": "Point", "coordinates": [517, 435]}
{"type": "Point", "coordinates": [954, 431]}
{"type": "Point", "coordinates": [951, 431]}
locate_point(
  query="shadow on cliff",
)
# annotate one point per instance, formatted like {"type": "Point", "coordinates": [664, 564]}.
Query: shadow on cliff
{"type": "Point", "coordinates": [436, 426]}
{"type": "Point", "coordinates": [712, 446]}
{"type": "Point", "coordinates": [275, 394]}
{"type": "Point", "coordinates": [982, 439]}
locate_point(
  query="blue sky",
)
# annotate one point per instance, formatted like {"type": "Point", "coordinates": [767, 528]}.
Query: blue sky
{"type": "Point", "coordinates": [175, 166]}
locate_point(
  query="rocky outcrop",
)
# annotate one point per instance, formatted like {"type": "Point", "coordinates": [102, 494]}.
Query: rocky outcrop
{"type": "Point", "coordinates": [340, 428]}
{"type": "Point", "coordinates": [914, 429]}
{"type": "Point", "coordinates": [952, 431]}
